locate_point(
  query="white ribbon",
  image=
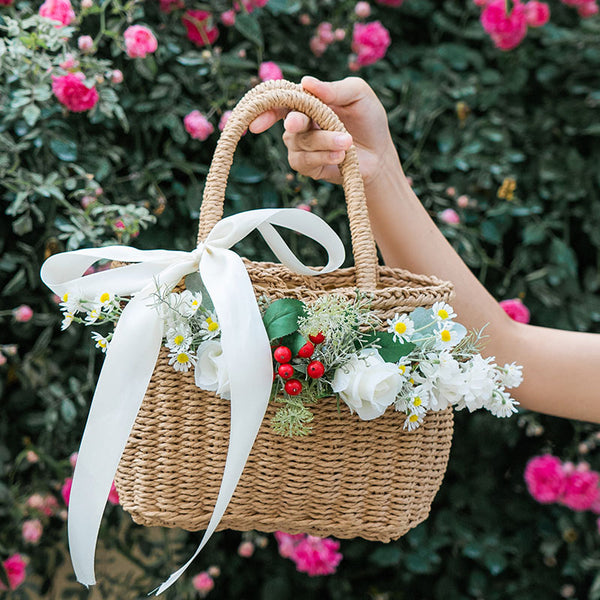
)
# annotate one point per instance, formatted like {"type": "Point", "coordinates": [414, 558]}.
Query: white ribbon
{"type": "Point", "coordinates": [133, 351]}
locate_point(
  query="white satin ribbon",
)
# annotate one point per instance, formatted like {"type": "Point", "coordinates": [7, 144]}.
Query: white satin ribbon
{"type": "Point", "coordinates": [133, 351]}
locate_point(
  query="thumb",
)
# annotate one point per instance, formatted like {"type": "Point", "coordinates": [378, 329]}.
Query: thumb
{"type": "Point", "coordinates": [338, 93]}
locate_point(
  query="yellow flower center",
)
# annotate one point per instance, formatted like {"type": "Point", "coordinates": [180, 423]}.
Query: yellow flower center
{"type": "Point", "coordinates": [65, 297]}
{"type": "Point", "coordinates": [105, 297]}
{"type": "Point", "coordinates": [417, 401]}
{"type": "Point", "coordinates": [400, 327]}
{"type": "Point", "coordinates": [178, 339]}
{"type": "Point", "coordinates": [212, 326]}
{"type": "Point", "coordinates": [402, 369]}
{"type": "Point", "coordinates": [102, 343]}
{"type": "Point", "coordinates": [445, 335]}
{"type": "Point", "coordinates": [413, 418]}
{"type": "Point", "coordinates": [411, 380]}
{"type": "Point", "coordinates": [442, 314]}
{"type": "Point", "coordinates": [182, 358]}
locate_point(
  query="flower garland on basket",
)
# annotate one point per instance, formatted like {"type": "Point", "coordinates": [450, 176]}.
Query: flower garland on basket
{"type": "Point", "coordinates": [332, 347]}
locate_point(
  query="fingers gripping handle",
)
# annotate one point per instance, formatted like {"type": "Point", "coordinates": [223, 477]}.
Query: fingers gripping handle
{"type": "Point", "coordinates": [284, 94]}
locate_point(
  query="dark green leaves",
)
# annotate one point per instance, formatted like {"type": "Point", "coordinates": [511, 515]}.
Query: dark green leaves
{"type": "Point", "coordinates": [281, 317]}
{"type": "Point", "coordinates": [390, 350]}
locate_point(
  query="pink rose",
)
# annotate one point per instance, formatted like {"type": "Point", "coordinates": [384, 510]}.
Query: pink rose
{"type": "Point", "coordinates": [14, 566]}
{"type": "Point", "coordinates": [73, 93]}
{"type": "Point", "coordinates": [325, 32]}
{"type": "Point", "coordinates": [317, 46]}
{"type": "Point", "coordinates": [58, 10]}
{"type": "Point", "coordinates": [223, 120]}
{"type": "Point", "coordinates": [49, 505]}
{"type": "Point", "coordinates": [463, 201]}
{"type": "Point", "coordinates": [537, 13]}
{"type": "Point", "coordinates": [197, 125]}
{"type": "Point", "coordinates": [32, 531]}
{"type": "Point", "coordinates": [370, 42]}
{"type": "Point", "coordinates": [362, 10]}
{"type": "Point", "coordinates": [581, 490]}
{"type": "Point", "coordinates": [6, 2]}
{"type": "Point", "coordinates": [113, 495]}
{"type": "Point", "coordinates": [317, 556]}
{"type": "Point", "coordinates": [269, 70]}
{"type": "Point", "coordinates": [203, 582]}
{"type": "Point", "coordinates": [139, 41]}
{"type": "Point", "coordinates": [168, 6]}
{"type": "Point", "coordinates": [228, 18]}
{"type": "Point", "coordinates": [588, 9]}
{"type": "Point", "coordinates": [32, 457]}
{"type": "Point", "coordinates": [3, 359]}
{"type": "Point", "coordinates": [23, 313]}
{"type": "Point", "coordinates": [516, 310]}
{"type": "Point", "coordinates": [119, 225]}
{"type": "Point", "coordinates": [65, 490]}
{"type": "Point", "coordinates": [339, 34]}
{"type": "Point", "coordinates": [507, 30]}
{"type": "Point", "coordinates": [116, 76]}
{"type": "Point", "coordinates": [450, 216]}
{"type": "Point", "coordinates": [246, 549]}
{"type": "Point", "coordinates": [196, 23]}
{"type": "Point", "coordinates": [69, 63]}
{"type": "Point", "coordinates": [545, 478]}
{"type": "Point", "coordinates": [73, 459]}
{"type": "Point", "coordinates": [287, 543]}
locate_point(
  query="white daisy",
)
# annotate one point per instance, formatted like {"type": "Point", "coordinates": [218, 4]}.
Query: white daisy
{"type": "Point", "coordinates": [402, 327]}
{"type": "Point", "coordinates": [93, 315]}
{"type": "Point", "coordinates": [101, 341]}
{"type": "Point", "coordinates": [413, 421]}
{"type": "Point", "coordinates": [442, 312]}
{"type": "Point", "coordinates": [447, 335]}
{"type": "Point", "coordinates": [417, 405]}
{"type": "Point", "coordinates": [69, 303]}
{"type": "Point", "coordinates": [182, 361]}
{"type": "Point", "coordinates": [179, 337]}
{"type": "Point", "coordinates": [106, 300]}
{"type": "Point", "coordinates": [502, 405]}
{"type": "Point", "coordinates": [67, 320]}
{"type": "Point", "coordinates": [210, 327]}
{"type": "Point", "coordinates": [190, 302]}
{"type": "Point", "coordinates": [511, 375]}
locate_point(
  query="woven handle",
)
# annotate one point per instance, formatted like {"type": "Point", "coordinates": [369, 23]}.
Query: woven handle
{"type": "Point", "coordinates": [284, 94]}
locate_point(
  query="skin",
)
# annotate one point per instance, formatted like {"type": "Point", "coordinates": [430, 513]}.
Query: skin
{"type": "Point", "coordinates": [561, 369]}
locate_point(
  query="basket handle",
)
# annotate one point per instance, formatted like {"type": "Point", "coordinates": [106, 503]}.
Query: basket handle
{"type": "Point", "coordinates": [279, 94]}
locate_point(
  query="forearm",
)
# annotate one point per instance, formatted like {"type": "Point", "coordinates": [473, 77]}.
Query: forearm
{"type": "Point", "coordinates": [561, 369]}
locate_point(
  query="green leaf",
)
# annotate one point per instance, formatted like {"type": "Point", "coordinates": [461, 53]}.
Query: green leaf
{"type": "Point", "coordinates": [64, 149]}
{"type": "Point", "coordinates": [248, 26]}
{"type": "Point", "coordinates": [390, 350]}
{"type": "Point", "coordinates": [281, 317]}
{"type": "Point", "coordinates": [31, 113]}
{"type": "Point", "coordinates": [386, 556]}
{"type": "Point", "coordinates": [244, 172]}
{"type": "Point", "coordinates": [294, 341]}
{"type": "Point", "coordinates": [23, 224]}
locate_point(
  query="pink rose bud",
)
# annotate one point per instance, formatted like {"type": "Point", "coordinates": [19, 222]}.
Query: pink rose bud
{"type": "Point", "coordinates": [353, 64]}
{"type": "Point", "coordinates": [31, 457]}
{"type": "Point", "coordinates": [269, 70]}
{"type": "Point", "coordinates": [15, 567]}
{"type": "Point", "coordinates": [98, 191]}
{"type": "Point", "coordinates": [451, 191]}
{"type": "Point", "coordinates": [305, 207]}
{"type": "Point", "coordinates": [516, 310]}
{"type": "Point", "coordinates": [317, 46]}
{"type": "Point", "coordinates": [116, 76]}
{"type": "Point", "coordinates": [242, 52]}
{"type": "Point", "coordinates": [139, 41]}
{"type": "Point", "coordinates": [23, 313]}
{"type": "Point", "coordinates": [85, 43]}
{"type": "Point", "coordinates": [228, 18]}
{"type": "Point", "coordinates": [58, 10]}
{"type": "Point", "coordinates": [69, 63]}
{"type": "Point", "coordinates": [325, 32]}
{"type": "Point", "coordinates": [304, 19]}
{"type": "Point", "coordinates": [246, 549]}
{"type": "Point", "coordinates": [86, 201]}
{"type": "Point", "coordinates": [214, 571]}
{"type": "Point", "coordinates": [119, 225]}
{"type": "Point", "coordinates": [537, 13]}
{"type": "Point", "coordinates": [588, 9]}
{"type": "Point", "coordinates": [462, 201]}
{"type": "Point", "coordinates": [113, 495]}
{"type": "Point", "coordinates": [35, 501]}
{"type": "Point", "coordinates": [450, 216]}
{"type": "Point", "coordinates": [339, 34]}
{"type": "Point", "coordinates": [73, 459]}
{"type": "Point", "coordinates": [362, 10]}
{"type": "Point", "coordinates": [224, 117]}
{"type": "Point", "coordinates": [73, 93]}
{"type": "Point", "coordinates": [32, 531]}
{"type": "Point", "coordinates": [87, 4]}
{"type": "Point", "coordinates": [203, 582]}
{"type": "Point", "coordinates": [370, 42]}
{"type": "Point", "coordinates": [65, 490]}
{"type": "Point", "coordinates": [197, 125]}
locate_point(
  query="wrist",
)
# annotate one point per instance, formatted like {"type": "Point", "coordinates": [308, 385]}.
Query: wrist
{"type": "Point", "coordinates": [387, 183]}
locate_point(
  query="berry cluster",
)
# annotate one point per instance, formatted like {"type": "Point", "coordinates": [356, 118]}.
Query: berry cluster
{"type": "Point", "coordinates": [285, 369]}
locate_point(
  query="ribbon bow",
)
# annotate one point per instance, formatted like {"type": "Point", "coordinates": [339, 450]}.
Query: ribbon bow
{"type": "Point", "coordinates": [133, 351]}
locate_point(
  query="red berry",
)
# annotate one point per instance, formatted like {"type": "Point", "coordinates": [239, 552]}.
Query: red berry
{"type": "Point", "coordinates": [282, 354]}
{"type": "Point", "coordinates": [293, 387]}
{"type": "Point", "coordinates": [286, 370]}
{"type": "Point", "coordinates": [318, 338]}
{"type": "Point", "coordinates": [307, 350]}
{"type": "Point", "coordinates": [315, 369]}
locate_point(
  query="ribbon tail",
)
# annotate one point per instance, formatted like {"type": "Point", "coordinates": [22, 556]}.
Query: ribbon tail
{"type": "Point", "coordinates": [116, 402]}
{"type": "Point", "coordinates": [248, 359]}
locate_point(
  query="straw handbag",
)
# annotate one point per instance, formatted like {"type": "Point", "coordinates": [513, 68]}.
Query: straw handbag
{"type": "Point", "coordinates": [347, 478]}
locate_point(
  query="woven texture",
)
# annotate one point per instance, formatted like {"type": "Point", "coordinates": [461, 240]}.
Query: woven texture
{"type": "Point", "coordinates": [349, 477]}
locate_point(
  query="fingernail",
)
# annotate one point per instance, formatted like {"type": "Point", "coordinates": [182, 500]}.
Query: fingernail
{"type": "Point", "coordinates": [342, 140]}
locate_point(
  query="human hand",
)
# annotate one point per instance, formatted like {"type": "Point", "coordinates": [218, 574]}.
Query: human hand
{"type": "Point", "coordinates": [316, 153]}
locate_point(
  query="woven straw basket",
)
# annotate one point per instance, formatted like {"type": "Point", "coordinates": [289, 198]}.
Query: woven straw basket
{"type": "Point", "coordinates": [349, 477]}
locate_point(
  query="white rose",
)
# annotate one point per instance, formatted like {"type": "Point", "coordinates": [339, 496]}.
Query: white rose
{"type": "Point", "coordinates": [211, 370]}
{"type": "Point", "coordinates": [367, 384]}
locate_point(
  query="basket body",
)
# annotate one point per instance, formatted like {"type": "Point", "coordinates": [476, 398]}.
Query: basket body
{"type": "Point", "coordinates": [348, 478]}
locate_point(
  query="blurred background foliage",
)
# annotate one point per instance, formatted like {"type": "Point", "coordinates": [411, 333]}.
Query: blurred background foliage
{"type": "Point", "coordinates": [466, 118]}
